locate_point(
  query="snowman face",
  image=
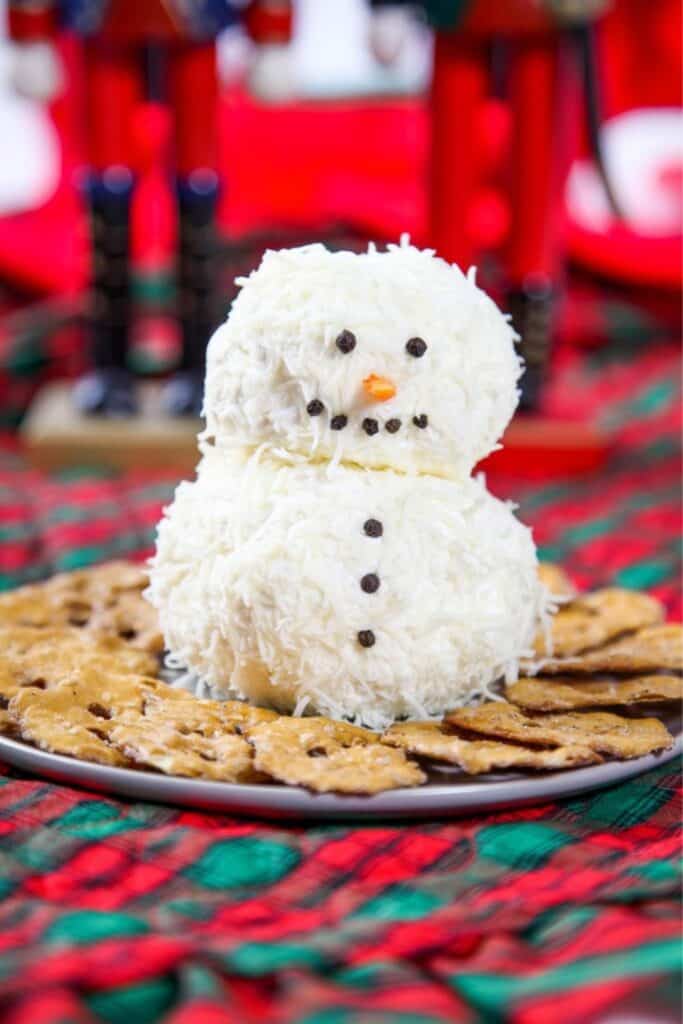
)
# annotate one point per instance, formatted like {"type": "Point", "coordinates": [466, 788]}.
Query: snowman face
{"type": "Point", "coordinates": [376, 389]}
{"type": "Point", "coordinates": [386, 360]}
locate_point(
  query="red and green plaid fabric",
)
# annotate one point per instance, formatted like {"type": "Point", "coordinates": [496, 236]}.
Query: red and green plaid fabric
{"type": "Point", "coordinates": [127, 912]}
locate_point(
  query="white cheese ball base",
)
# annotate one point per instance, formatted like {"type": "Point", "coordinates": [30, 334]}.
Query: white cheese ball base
{"type": "Point", "coordinates": [277, 353]}
{"type": "Point", "coordinates": [257, 580]}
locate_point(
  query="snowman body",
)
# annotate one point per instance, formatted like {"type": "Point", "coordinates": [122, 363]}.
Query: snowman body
{"type": "Point", "coordinates": [334, 553]}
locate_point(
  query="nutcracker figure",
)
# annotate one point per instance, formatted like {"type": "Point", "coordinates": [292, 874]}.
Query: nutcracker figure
{"type": "Point", "coordinates": [137, 49]}
{"type": "Point", "coordinates": [505, 75]}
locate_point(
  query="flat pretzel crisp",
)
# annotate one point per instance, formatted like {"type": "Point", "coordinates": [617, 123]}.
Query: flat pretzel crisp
{"type": "Point", "coordinates": [431, 740]}
{"type": "Point", "coordinates": [555, 579]}
{"type": "Point", "coordinates": [59, 648]}
{"type": "Point", "coordinates": [224, 757]}
{"type": "Point", "coordinates": [565, 693]}
{"type": "Point", "coordinates": [106, 598]}
{"type": "Point", "coordinates": [122, 719]}
{"type": "Point", "coordinates": [43, 658]}
{"type": "Point", "coordinates": [328, 756]}
{"type": "Point", "coordinates": [176, 709]}
{"type": "Point", "coordinates": [659, 648]}
{"type": "Point", "coordinates": [66, 719]}
{"type": "Point", "coordinates": [594, 619]}
{"type": "Point", "coordinates": [600, 731]}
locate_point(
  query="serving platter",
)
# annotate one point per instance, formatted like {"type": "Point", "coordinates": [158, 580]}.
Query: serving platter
{"type": "Point", "coordinates": [56, 687]}
{"type": "Point", "coordinates": [448, 793]}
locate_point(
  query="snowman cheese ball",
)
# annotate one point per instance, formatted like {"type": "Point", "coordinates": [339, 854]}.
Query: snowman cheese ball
{"type": "Point", "coordinates": [334, 554]}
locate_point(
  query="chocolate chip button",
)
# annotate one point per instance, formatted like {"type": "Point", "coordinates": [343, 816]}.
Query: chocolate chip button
{"type": "Point", "coordinates": [370, 426]}
{"type": "Point", "coordinates": [416, 347]}
{"type": "Point", "coordinates": [420, 421]}
{"type": "Point", "coordinates": [346, 342]}
{"type": "Point", "coordinates": [366, 638]}
{"type": "Point", "coordinates": [338, 422]}
{"type": "Point", "coordinates": [392, 426]}
{"type": "Point", "coordinates": [314, 407]}
{"type": "Point", "coordinates": [373, 528]}
{"type": "Point", "coordinates": [370, 583]}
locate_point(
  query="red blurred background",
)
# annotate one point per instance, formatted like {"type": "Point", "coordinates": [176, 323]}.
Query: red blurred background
{"type": "Point", "coordinates": [345, 168]}
{"type": "Point", "coordinates": [313, 165]}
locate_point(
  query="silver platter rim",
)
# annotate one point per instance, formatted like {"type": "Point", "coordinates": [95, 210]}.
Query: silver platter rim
{"type": "Point", "coordinates": [467, 795]}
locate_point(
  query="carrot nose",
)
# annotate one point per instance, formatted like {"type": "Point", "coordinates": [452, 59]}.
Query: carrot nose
{"type": "Point", "coordinates": [379, 389]}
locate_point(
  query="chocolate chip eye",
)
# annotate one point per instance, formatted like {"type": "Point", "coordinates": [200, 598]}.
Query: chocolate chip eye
{"type": "Point", "coordinates": [416, 347]}
{"type": "Point", "coordinates": [366, 638]}
{"type": "Point", "coordinates": [392, 426]}
{"type": "Point", "coordinates": [370, 583]}
{"type": "Point", "coordinates": [370, 426]}
{"type": "Point", "coordinates": [373, 528]}
{"type": "Point", "coordinates": [420, 421]}
{"type": "Point", "coordinates": [346, 342]}
{"type": "Point", "coordinates": [314, 407]}
{"type": "Point", "coordinates": [339, 422]}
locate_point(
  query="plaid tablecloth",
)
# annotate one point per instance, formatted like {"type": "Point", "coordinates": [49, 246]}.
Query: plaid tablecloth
{"type": "Point", "coordinates": [134, 913]}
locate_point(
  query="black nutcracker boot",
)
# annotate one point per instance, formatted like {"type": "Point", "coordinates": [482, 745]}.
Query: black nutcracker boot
{"type": "Point", "coordinates": [108, 390]}
{"type": "Point", "coordinates": [531, 308]}
{"type": "Point", "coordinates": [197, 307]}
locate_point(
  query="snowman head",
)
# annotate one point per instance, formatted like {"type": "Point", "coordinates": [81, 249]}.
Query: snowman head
{"type": "Point", "coordinates": [386, 360]}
